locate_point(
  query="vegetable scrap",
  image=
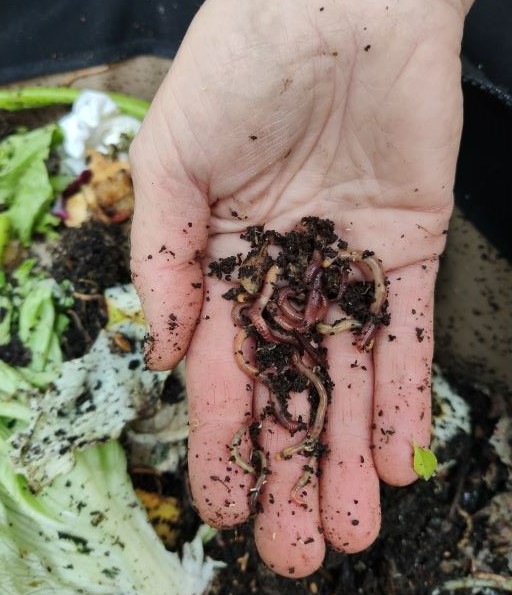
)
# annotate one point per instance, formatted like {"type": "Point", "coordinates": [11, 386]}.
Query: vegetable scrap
{"type": "Point", "coordinates": [26, 185]}
{"type": "Point", "coordinates": [424, 461]}
{"type": "Point", "coordinates": [106, 193]}
{"type": "Point", "coordinates": [90, 401]}
{"type": "Point", "coordinates": [164, 514]}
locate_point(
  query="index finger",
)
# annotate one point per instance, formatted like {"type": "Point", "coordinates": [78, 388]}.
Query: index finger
{"type": "Point", "coordinates": [168, 237]}
{"type": "Point", "coordinates": [220, 399]}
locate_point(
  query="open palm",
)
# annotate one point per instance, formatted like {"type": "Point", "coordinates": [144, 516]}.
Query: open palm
{"type": "Point", "coordinates": [344, 110]}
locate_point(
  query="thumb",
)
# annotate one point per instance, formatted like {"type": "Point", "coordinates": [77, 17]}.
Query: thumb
{"type": "Point", "coordinates": [168, 238]}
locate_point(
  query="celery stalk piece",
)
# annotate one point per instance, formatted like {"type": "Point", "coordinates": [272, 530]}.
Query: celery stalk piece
{"type": "Point", "coordinates": [5, 234]}
{"type": "Point", "coordinates": [31, 97]}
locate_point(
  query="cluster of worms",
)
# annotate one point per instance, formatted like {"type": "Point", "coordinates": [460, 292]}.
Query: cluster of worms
{"type": "Point", "coordinates": [290, 289]}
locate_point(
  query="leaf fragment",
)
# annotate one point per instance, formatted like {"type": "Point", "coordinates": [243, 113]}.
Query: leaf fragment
{"type": "Point", "coordinates": [424, 461]}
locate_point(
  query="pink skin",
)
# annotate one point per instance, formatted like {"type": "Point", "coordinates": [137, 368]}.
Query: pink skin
{"type": "Point", "coordinates": [270, 112]}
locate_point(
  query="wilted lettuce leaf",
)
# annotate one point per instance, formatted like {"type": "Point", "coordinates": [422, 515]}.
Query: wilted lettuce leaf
{"type": "Point", "coordinates": [25, 187]}
{"type": "Point", "coordinates": [33, 309]}
{"type": "Point", "coordinates": [87, 533]}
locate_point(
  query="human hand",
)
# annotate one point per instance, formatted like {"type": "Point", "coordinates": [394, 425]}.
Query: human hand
{"type": "Point", "coordinates": [271, 112]}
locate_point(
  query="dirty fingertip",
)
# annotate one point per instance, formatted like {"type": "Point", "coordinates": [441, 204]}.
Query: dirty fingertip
{"type": "Point", "coordinates": [351, 514]}
{"type": "Point", "coordinates": [291, 554]}
{"type": "Point", "coordinates": [394, 460]}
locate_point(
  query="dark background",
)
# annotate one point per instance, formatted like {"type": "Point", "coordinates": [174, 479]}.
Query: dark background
{"type": "Point", "coordinates": [47, 36]}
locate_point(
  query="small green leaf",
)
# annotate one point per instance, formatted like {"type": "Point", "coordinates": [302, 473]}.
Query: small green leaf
{"type": "Point", "coordinates": [424, 462]}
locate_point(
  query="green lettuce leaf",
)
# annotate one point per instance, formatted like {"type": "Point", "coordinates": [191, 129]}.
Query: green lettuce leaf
{"type": "Point", "coordinates": [88, 533]}
{"type": "Point", "coordinates": [25, 187]}
{"type": "Point", "coordinates": [32, 308]}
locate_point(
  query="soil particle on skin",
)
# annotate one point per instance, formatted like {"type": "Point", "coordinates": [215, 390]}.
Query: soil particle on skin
{"type": "Point", "coordinates": [172, 322]}
{"type": "Point", "coordinates": [357, 300]}
{"type": "Point", "coordinates": [222, 267]}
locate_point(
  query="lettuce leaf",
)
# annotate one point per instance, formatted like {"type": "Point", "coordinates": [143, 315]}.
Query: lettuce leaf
{"type": "Point", "coordinates": [90, 401]}
{"type": "Point", "coordinates": [32, 308]}
{"type": "Point", "coordinates": [88, 533]}
{"type": "Point", "coordinates": [25, 187]}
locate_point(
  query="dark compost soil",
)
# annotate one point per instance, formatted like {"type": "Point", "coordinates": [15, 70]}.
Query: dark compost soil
{"type": "Point", "coordinates": [93, 257]}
